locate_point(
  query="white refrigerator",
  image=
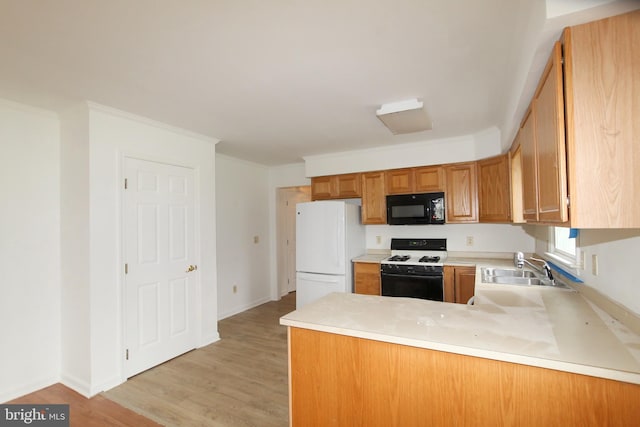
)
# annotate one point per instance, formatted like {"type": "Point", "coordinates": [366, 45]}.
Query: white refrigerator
{"type": "Point", "coordinates": [329, 235]}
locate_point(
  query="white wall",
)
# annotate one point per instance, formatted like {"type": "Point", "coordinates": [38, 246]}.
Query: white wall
{"type": "Point", "coordinates": [504, 238]}
{"type": "Point", "coordinates": [93, 297]}
{"type": "Point", "coordinates": [29, 249]}
{"type": "Point", "coordinates": [440, 151]}
{"type": "Point", "coordinates": [617, 251]}
{"type": "Point", "coordinates": [75, 240]}
{"type": "Point", "coordinates": [242, 214]}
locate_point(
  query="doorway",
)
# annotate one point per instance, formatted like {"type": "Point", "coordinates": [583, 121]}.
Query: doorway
{"type": "Point", "coordinates": [286, 200]}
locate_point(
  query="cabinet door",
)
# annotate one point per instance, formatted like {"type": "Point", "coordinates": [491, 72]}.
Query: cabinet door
{"type": "Point", "coordinates": [462, 193]}
{"type": "Point", "coordinates": [465, 283]}
{"type": "Point", "coordinates": [494, 196]}
{"type": "Point", "coordinates": [449, 283]}
{"type": "Point", "coordinates": [428, 179]}
{"type": "Point", "coordinates": [323, 187]}
{"type": "Point", "coordinates": [516, 182]}
{"type": "Point", "coordinates": [548, 105]}
{"type": "Point", "coordinates": [366, 278]}
{"type": "Point", "coordinates": [374, 203]}
{"type": "Point", "coordinates": [348, 186]}
{"type": "Point", "coordinates": [399, 181]}
{"type": "Point", "coordinates": [529, 168]}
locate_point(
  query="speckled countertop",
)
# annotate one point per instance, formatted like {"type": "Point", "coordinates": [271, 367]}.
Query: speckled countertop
{"type": "Point", "coordinates": [532, 325]}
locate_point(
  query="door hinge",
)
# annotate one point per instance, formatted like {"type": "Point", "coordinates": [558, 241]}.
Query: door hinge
{"type": "Point", "coordinates": [126, 354]}
{"type": "Point", "coordinates": [125, 183]}
{"type": "Point", "coordinates": [126, 269]}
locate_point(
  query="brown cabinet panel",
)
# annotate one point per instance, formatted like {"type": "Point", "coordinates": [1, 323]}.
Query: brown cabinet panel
{"type": "Point", "coordinates": [337, 380]}
{"type": "Point", "coordinates": [374, 202]}
{"type": "Point", "coordinates": [516, 182]}
{"type": "Point", "coordinates": [322, 187]}
{"type": "Point", "coordinates": [529, 168]}
{"type": "Point", "coordinates": [602, 92]}
{"type": "Point", "coordinates": [348, 186]}
{"type": "Point", "coordinates": [462, 192]}
{"type": "Point", "coordinates": [465, 283]}
{"type": "Point", "coordinates": [400, 181]}
{"type": "Point", "coordinates": [429, 179]}
{"type": "Point", "coordinates": [459, 283]}
{"type": "Point", "coordinates": [343, 186]}
{"type": "Point", "coordinates": [366, 278]}
{"type": "Point", "coordinates": [548, 105]}
{"type": "Point", "coordinates": [494, 195]}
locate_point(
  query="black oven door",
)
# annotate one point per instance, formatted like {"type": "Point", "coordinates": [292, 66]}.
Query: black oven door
{"type": "Point", "coordinates": [426, 287]}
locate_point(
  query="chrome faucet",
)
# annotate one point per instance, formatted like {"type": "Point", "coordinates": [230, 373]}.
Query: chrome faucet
{"type": "Point", "coordinates": [519, 261]}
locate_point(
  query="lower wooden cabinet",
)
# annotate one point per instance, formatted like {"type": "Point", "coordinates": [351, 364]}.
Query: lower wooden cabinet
{"type": "Point", "coordinates": [459, 283]}
{"type": "Point", "coordinates": [338, 380]}
{"type": "Point", "coordinates": [366, 278]}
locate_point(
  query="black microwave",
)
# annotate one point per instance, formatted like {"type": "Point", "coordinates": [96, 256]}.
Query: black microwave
{"type": "Point", "coordinates": [415, 209]}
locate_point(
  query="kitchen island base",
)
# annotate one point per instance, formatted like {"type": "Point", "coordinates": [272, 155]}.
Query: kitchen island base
{"type": "Point", "coordinates": [338, 380]}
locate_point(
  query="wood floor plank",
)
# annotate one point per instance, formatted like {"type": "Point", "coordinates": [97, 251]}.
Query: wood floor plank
{"type": "Point", "coordinates": [97, 411]}
{"type": "Point", "coordinates": [238, 381]}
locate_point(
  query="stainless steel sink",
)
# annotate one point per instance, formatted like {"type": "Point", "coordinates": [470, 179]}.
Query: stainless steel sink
{"type": "Point", "coordinates": [502, 272]}
{"type": "Point", "coordinates": [508, 276]}
{"type": "Point", "coordinates": [512, 280]}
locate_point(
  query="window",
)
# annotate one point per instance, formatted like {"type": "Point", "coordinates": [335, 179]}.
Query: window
{"type": "Point", "coordinates": [563, 246]}
{"type": "Point", "coordinates": [563, 243]}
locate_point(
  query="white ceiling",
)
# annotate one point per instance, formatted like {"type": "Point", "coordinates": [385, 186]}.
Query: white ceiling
{"type": "Point", "coordinates": [281, 79]}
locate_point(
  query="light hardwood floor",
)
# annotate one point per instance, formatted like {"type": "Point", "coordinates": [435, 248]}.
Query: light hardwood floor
{"type": "Point", "coordinates": [95, 412]}
{"type": "Point", "coordinates": [240, 380]}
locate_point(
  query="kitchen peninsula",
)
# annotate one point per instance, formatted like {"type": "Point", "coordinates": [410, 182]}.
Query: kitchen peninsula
{"type": "Point", "coordinates": [519, 356]}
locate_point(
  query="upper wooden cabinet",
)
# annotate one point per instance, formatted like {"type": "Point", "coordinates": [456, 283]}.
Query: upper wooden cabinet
{"type": "Point", "coordinates": [548, 106]}
{"type": "Point", "coordinates": [579, 139]}
{"type": "Point", "coordinates": [526, 136]}
{"type": "Point", "coordinates": [494, 195]}
{"type": "Point", "coordinates": [602, 96]}
{"type": "Point", "coordinates": [345, 186]}
{"type": "Point", "coordinates": [400, 181]}
{"type": "Point", "coordinates": [461, 197]}
{"type": "Point", "coordinates": [374, 202]}
{"type": "Point", "coordinates": [541, 134]}
{"type": "Point", "coordinates": [429, 178]}
{"type": "Point", "coordinates": [415, 180]}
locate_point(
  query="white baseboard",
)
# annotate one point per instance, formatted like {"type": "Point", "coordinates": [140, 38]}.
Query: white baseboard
{"type": "Point", "coordinates": [243, 308]}
{"type": "Point", "coordinates": [76, 384]}
{"type": "Point", "coordinates": [106, 385]}
{"type": "Point", "coordinates": [205, 341]}
{"type": "Point", "coordinates": [10, 393]}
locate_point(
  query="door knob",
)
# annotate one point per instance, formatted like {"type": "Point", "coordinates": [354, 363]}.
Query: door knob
{"type": "Point", "coordinates": [191, 268]}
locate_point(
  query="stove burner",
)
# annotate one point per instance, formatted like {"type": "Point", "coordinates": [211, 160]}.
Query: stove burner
{"type": "Point", "coordinates": [429, 259]}
{"type": "Point", "coordinates": [399, 258]}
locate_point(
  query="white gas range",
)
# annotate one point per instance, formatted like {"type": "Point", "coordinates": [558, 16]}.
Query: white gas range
{"type": "Point", "coordinates": [415, 269]}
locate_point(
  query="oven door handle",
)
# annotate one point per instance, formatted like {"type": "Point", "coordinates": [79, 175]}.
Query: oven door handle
{"type": "Point", "coordinates": [413, 276]}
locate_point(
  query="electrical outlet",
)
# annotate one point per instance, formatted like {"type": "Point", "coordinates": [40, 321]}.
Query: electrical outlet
{"type": "Point", "coordinates": [594, 264]}
{"type": "Point", "coordinates": [256, 239]}
{"type": "Point", "coordinates": [235, 289]}
{"type": "Point", "coordinates": [378, 239]}
{"type": "Point", "coordinates": [469, 240]}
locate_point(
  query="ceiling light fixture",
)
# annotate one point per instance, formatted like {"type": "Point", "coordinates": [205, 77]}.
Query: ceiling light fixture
{"type": "Point", "coordinates": [405, 116]}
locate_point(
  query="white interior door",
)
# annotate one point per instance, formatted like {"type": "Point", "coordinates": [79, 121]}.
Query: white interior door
{"type": "Point", "coordinates": [160, 269]}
